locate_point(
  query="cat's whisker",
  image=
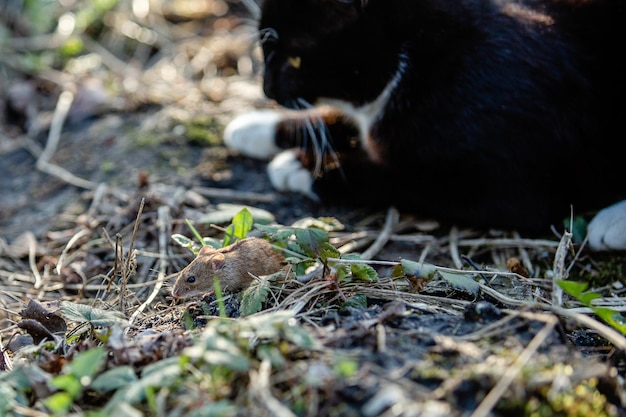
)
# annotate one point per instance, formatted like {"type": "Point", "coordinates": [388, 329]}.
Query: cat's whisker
{"type": "Point", "coordinates": [318, 150]}
{"type": "Point", "coordinates": [253, 8]}
{"type": "Point", "coordinates": [267, 34]}
{"type": "Point", "coordinates": [320, 134]}
{"type": "Point", "coordinates": [326, 143]}
{"type": "Point", "coordinates": [250, 34]}
{"type": "Point", "coordinates": [303, 104]}
{"type": "Point", "coordinates": [310, 128]}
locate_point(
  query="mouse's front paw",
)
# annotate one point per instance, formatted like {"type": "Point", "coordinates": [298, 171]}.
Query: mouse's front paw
{"type": "Point", "coordinates": [287, 174]}
{"type": "Point", "coordinates": [607, 230]}
{"type": "Point", "coordinates": [254, 134]}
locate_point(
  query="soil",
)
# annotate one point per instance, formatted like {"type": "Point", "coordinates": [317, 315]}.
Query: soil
{"type": "Point", "coordinates": [145, 156]}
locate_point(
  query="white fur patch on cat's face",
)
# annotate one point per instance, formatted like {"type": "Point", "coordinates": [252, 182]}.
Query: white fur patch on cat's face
{"type": "Point", "coordinates": [607, 230]}
{"type": "Point", "coordinates": [287, 174]}
{"type": "Point", "coordinates": [254, 134]}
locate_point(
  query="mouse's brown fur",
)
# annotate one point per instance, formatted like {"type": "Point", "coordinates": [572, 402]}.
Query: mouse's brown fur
{"type": "Point", "coordinates": [232, 265]}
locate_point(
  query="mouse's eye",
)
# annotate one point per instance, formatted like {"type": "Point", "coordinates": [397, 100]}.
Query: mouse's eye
{"type": "Point", "coordinates": [191, 279]}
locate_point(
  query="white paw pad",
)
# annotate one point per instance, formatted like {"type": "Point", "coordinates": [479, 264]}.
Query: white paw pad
{"type": "Point", "coordinates": [287, 174]}
{"type": "Point", "coordinates": [607, 230]}
{"type": "Point", "coordinates": [254, 134]}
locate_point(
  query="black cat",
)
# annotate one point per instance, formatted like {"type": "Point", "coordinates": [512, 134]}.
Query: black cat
{"type": "Point", "coordinates": [489, 113]}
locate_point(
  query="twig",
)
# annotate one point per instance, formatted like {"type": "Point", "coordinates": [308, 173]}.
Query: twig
{"type": "Point", "coordinates": [260, 391]}
{"type": "Point", "coordinates": [165, 227]}
{"type": "Point", "coordinates": [500, 242]}
{"type": "Point", "coordinates": [559, 270]}
{"type": "Point", "coordinates": [129, 258]}
{"type": "Point", "coordinates": [74, 239]}
{"type": "Point", "coordinates": [511, 373]}
{"type": "Point", "coordinates": [390, 221]}
{"type": "Point", "coordinates": [523, 253]}
{"type": "Point", "coordinates": [503, 298]}
{"type": "Point", "coordinates": [454, 247]}
{"type": "Point", "coordinates": [32, 254]}
{"type": "Point", "coordinates": [618, 340]}
{"type": "Point", "coordinates": [234, 194]}
{"type": "Point", "coordinates": [60, 114]}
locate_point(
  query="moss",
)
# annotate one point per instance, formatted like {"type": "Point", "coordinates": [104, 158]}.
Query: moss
{"type": "Point", "coordinates": [203, 131]}
{"type": "Point", "coordinates": [145, 139]}
{"type": "Point", "coordinates": [604, 270]}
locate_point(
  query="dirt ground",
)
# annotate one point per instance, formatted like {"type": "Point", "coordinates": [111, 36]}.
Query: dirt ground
{"type": "Point", "coordinates": [103, 159]}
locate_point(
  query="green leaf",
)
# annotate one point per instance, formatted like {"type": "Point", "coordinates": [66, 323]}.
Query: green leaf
{"type": "Point", "coordinates": [609, 316]}
{"type": "Point", "coordinates": [360, 272]}
{"type": "Point", "coordinates": [67, 383]}
{"type": "Point", "coordinates": [577, 290]}
{"type": "Point", "coordinates": [41, 15]}
{"type": "Point", "coordinates": [578, 229]}
{"type": "Point", "coordinates": [72, 46]}
{"type": "Point", "coordinates": [59, 403]}
{"type": "Point", "coordinates": [219, 297]}
{"type": "Point", "coordinates": [94, 11]}
{"type": "Point", "coordinates": [462, 282]}
{"type": "Point", "coordinates": [459, 280]}
{"type": "Point", "coordinates": [224, 213]}
{"type": "Point", "coordinates": [220, 408]}
{"type": "Point", "coordinates": [161, 374]}
{"type": "Point", "coordinates": [182, 241]}
{"type": "Point", "coordinates": [573, 288]}
{"type": "Point", "coordinates": [271, 353]}
{"type": "Point", "coordinates": [114, 378]}
{"type": "Point", "coordinates": [117, 408]}
{"type": "Point", "coordinates": [241, 224]}
{"type": "Point", "coordinates": [254, 296]}
{"type": "Point", "coordinates": [188, 320]}
{"type": "Point", "coordinates": [345, 367]}
{"type": "Point", "coordinates": [217, 350]}
{"type": "Point", "coordinates": [326, 250]}
{"type": "Point", "coordinates": [87, 364]}
{"type": "Point", "coordinates": [418, 269]}
{"type": "Point", "coordinates": [96, 317]}
{"type": "Point", "coordinates": [8, 399]}
{"type": "Point", "coordinates": [357, 301]}
{"type": "Point", "coordinates": [300, 336]}
{"type": "Point", "coordinates": [312, 241]}
{"type": "Point", "coordinates": [612, 318]}
{"type": "Point", "coordinates": [212, 242]}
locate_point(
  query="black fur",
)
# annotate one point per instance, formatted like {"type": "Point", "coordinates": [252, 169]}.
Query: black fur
{"type": "Point", "coordinates": [507, 112]}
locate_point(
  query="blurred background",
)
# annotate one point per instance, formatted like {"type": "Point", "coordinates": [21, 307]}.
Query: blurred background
{"type": "Point", "coordinates": [141, 91]}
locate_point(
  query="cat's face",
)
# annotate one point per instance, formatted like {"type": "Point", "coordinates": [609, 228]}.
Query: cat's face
{"type": "Point", "coordinates": [315, 49]}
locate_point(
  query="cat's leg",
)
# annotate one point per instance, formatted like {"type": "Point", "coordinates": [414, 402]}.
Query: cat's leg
{"type": "Point", "coordinates": [253, 134]}
{"type": "Point", "coordinates": [607, 230]}
{"type": "Point", "coordinates": [287, 173]}
{"type": "Point", "coordinates": [256, 135]}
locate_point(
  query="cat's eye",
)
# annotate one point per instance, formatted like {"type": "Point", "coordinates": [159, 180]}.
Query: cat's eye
{"type": "Point", "coordinates": [191, 279]}
{"type": "Point", "coordinates": [295, 61]}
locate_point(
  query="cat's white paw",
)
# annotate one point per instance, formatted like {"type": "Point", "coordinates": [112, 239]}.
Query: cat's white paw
{"type": "Point", "coordinates": [254, 134]}
{"type": "Point", "coordinates": [607, 230]}
{"type": "Point", "coordinates": [287, 174]}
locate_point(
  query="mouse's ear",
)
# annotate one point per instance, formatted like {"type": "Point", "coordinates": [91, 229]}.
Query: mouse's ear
{"type": "Point", "coordinates": [206, 250]}
{"type": "Point", "coordinates": [218, 261]}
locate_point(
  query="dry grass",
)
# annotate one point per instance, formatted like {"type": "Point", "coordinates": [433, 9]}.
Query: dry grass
{"type": "Point", "coordinates": [420, 347]}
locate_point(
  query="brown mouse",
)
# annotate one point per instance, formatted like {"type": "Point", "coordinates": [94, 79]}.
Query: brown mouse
{"type": "Point", "coordinates": [232, 265]}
